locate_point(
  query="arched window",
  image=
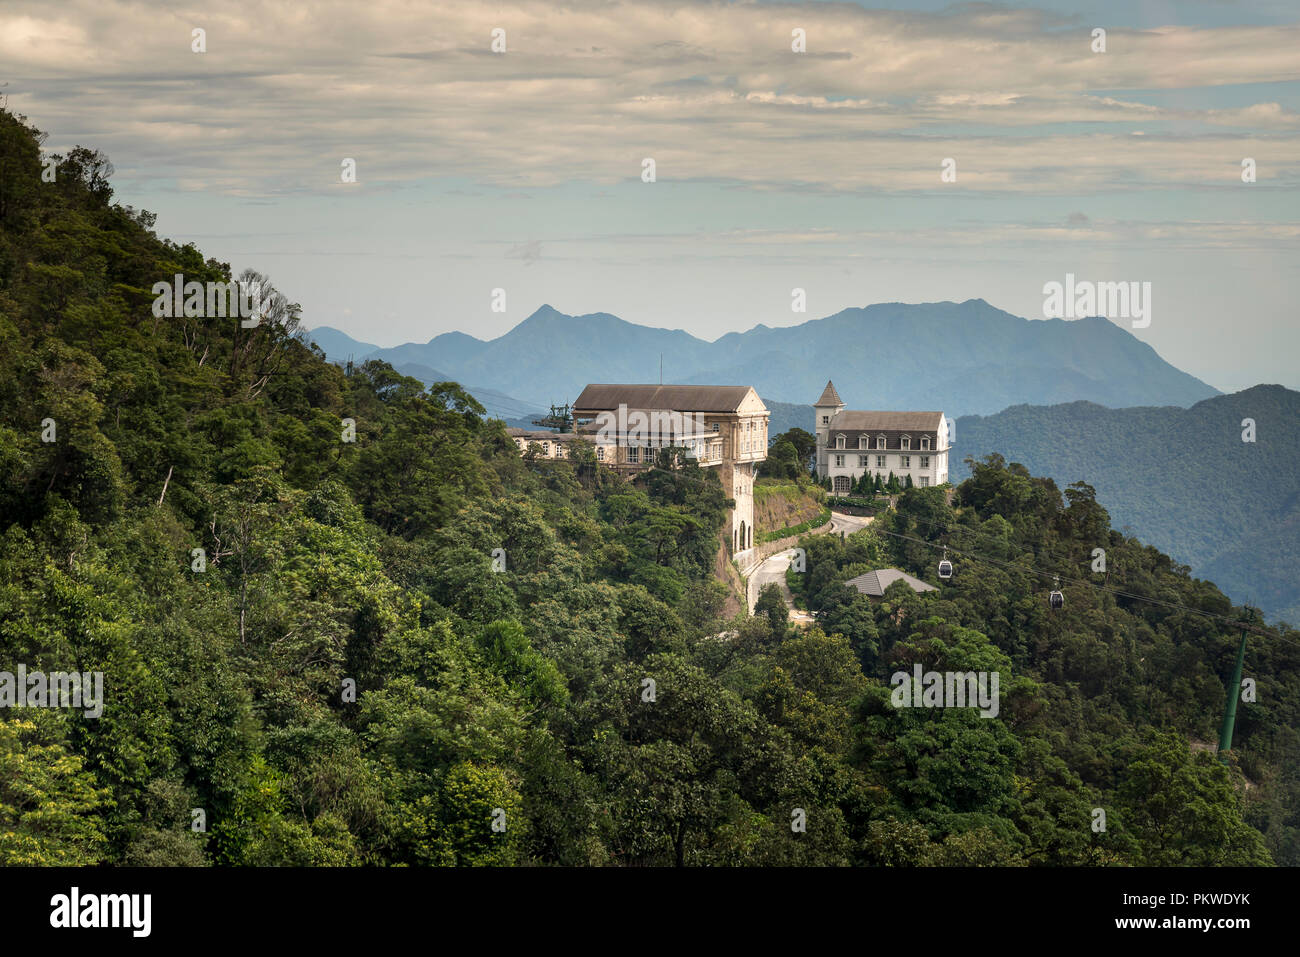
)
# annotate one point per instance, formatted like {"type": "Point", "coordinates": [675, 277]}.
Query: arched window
{"type": "Point", "coordinates": [841, 484]}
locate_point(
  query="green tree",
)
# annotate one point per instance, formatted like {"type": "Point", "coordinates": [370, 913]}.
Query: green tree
{"type": "Point", "coordinates": [48, 802]}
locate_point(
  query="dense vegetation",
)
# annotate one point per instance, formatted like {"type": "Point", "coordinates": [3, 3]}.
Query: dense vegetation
{"type": "Point", "coordinates": [1183, 479]}
{"type": "Point", "coordinates": [532, 644]}
{"type": "Point", "coordinates": [1110, 702]}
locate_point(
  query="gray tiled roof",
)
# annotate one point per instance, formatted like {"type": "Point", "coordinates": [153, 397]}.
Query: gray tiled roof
{"type": "Point", "coordinates": [875, 583]}
{"type": "Point", "coordinates": [862, 421]}
{"type": "Point", "coordinates": [679, 398]}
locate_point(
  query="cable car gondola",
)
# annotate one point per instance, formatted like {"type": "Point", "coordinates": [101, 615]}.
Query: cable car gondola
{"type": "Point", "coordinates": [945, 566]}
{"type": "Point", "coordinates": [1056, 600]}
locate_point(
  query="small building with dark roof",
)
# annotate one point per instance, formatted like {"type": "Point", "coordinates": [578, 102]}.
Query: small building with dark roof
{"type": "Point", "coordinates": [875, 583]}
{"type": "Point", "coordinates": [543, 443]}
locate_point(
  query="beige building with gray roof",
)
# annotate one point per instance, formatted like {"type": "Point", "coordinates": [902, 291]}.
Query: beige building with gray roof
{"type": "Point", "coordinates": [720, 426]}
{"type": "Point", "coordinates": [542, 442]}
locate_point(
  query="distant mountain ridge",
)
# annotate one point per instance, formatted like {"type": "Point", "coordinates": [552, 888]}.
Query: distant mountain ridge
{"type": "Point", "coordinates": [964, 358]}
{"type": "Point", "coordinates": [1182, 478]}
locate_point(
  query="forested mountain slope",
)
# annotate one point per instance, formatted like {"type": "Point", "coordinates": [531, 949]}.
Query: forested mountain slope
{"type": "Point", "coordinates": [388, 645]}
{"type": "Point", "coordinates": [1183, 479]}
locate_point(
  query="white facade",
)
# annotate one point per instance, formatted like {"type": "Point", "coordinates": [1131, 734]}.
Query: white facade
{"type": "Point", "coordinates": [851, 443]}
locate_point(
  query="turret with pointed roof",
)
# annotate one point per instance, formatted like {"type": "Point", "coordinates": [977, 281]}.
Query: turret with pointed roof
{"type": "Point", "coordinates": [830, 396]}
{"type": "Point", "coordinates": [827, 407]}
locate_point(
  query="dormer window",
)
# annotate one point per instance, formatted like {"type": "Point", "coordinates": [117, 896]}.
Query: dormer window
{"type": "Point", "coordinates": [880, 441]}
{"type": "Point", "coordinates": [862, 442]}
{"type": "Point", "coordinates": [839, 441]}
{"type": "Point", "coordinates": [925, 443]}
{"type": "Point", "coordinates": [905, 442]}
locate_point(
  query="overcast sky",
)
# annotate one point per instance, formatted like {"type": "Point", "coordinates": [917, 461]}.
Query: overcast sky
{"type": "Point", "coordinates": [775, 169]}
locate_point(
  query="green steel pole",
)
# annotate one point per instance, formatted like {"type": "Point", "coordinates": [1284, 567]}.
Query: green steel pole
{"type": "Point", "coordinates": [1230, 711]}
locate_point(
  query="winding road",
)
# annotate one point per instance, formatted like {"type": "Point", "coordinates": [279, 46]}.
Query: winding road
{"type": "Point", "coordinates": [772, 569]}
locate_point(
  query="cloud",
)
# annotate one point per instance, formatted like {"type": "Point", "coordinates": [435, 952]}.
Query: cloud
{"type": "Point", "coordinates": [529, 252]}
{"type": "Point", "coordinates": [585, 91]}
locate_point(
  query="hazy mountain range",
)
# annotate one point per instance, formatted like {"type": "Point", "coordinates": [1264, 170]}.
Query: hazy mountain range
{"type": "Point", "coordinates": [963, 358]}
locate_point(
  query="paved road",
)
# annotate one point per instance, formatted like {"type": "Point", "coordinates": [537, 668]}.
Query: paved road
{"type": "Point", "coordinates": [848, 523]}
{"type": "Point", "coordinates": [773, 569]}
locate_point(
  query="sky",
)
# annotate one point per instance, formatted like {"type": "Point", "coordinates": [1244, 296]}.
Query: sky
{"type": "Point", "coordinates": [774, 170]}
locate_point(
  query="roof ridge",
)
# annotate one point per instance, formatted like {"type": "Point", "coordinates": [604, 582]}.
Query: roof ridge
{"type": "Point", "coordinates": [680, 396]}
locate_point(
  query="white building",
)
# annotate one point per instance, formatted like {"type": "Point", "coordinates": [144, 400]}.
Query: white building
{"type": "Point", "coordinates": [850, 443]}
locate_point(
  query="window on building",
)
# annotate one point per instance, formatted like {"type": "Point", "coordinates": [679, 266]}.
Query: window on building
{"type": "Point", "coordinates": [862, 460]}
{"type": "Point", "coordinates": [925, 461]}
{"type": "Point", "coordinates": [839, 441]}
{"type": "Point", "coordinates": [905, 461]}
{"type": "Point", "coordinates": [925, 443]}
{"type": "Point", "coordinates": [633, 454]}
{"type": "Point", "coordinates": [862, 442]}
{"type": "Point", "coordinates": [905, 442]}
{"type": "Point", "coordinates": [880, 441]}
{"type": "Point", "coordinates": [715, 426]}
{"type": "Point", "coordinates": [839, 460]}
{"type": "Point", "coordinates": [925, 481]}
{"type": "Point", "coordinates": [880, 461]}
{"type": "Point", "coordinates": [600, 453]}
{"type": "Point", "coordinates": [826, 420]}
{"type": "Point", "coordinates": [842, 484]}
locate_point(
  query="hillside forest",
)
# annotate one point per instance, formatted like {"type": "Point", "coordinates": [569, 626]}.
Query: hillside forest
{"type": "Point", "coordinates": [342, 621]}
